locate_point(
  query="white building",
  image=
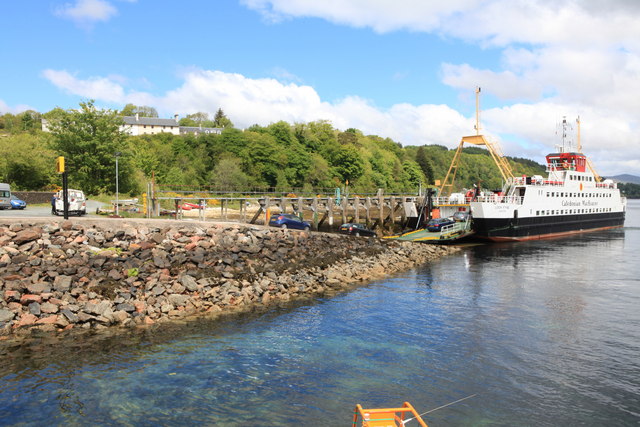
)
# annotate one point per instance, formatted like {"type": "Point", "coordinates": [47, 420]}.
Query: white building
{"type": "Point", "coordinates": [136, 125]}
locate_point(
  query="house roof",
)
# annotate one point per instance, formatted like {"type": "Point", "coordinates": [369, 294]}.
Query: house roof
{"type": "Point", "coordinates": [150, 121]}
{"type": "Point", "coordinates": [197, 129]}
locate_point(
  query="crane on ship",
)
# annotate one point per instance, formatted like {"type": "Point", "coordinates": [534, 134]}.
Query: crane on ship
{"type": "Point", "coordinates": [589, 163]}
{"type": "Point", "coordinates": [446, 188]}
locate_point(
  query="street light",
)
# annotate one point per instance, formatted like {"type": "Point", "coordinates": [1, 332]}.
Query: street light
{"type": "Point", "coordinates": [117, 154]}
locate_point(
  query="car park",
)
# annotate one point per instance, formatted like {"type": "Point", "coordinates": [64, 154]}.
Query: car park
{"type": "Point", "coordinates": [16, 203]}
{"type": "Point", "coordinates": [436, 224]}
{"type": "Point", "coordinates": [288, 221]}
{"type": "Point", "coordinates": [357, 230]}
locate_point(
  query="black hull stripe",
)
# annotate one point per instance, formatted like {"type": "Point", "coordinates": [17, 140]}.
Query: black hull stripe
{"type": "Point", "coordinates": [535, 227]}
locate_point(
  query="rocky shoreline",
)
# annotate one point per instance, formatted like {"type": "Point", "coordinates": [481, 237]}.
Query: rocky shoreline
{"type": "Point", "coordinates": [57, 276]}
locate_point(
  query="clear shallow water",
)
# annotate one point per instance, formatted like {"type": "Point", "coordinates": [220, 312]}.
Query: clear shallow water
{"type": "Point", "coordinates": [546, 333]}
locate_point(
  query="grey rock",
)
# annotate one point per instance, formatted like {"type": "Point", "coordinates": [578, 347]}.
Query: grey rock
{"type": "Point", "coordinates": [62, 283]}
{"type": "Point", "coordinates": [129, 308]}
{"type": "Point", "coordinates": [6, 315]}
{"type": "Point", "coordinates": [38, 288]}
{"type": "Point", "coordinates": [178, 299]}
{"type": "Point", "coordinates": [34, 308]}
{"type": "Point", "coordinates": [71, 316]}
{"type": "Point", "coordinates": [189, 282]}
{"type": "Point", "coordinates": [47, 307]}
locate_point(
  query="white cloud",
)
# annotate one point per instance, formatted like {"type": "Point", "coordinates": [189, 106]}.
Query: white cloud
{"type": "Point", "coordinates": [496, 22]}
{"type": "Point", "coordinates": [87, 12]}
{"type": "Point", "coordinates": [5, 108]}
{"type": "Point", "coordinates": [529, 129]}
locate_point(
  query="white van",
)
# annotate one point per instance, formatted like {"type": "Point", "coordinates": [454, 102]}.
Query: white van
{"type": "Point", "coordinates": [5, 196]}
{"type": "Point", "coordinates": [77, 203]}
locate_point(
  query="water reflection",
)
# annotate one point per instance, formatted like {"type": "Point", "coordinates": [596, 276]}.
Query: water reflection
{"type": "Point", "coordinates": [546, 331]}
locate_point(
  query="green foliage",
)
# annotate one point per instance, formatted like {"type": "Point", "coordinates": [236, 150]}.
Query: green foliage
{"type": "Point", "coordinates": [348, 164]}
{"type": "Point", "coordinates": [142, 111]}
{"type": "Point", "coordinates": [280, 155]}
{"type": "Point", "coordinates": [26, 163]}
{"type": "Point", "coordinates": [425, 165]}
{"type": "Point", "coordinates": [221, 120]}
{"type": "Point", "coordinates": [630, 190]}
{"type": "Point", "coordinates": [228, 175]}
{"type": "Point", "coordinates": [89, 138]}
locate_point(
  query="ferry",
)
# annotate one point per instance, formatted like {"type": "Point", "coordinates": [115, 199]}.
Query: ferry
{"type": "Point", "coordinates": [571, 199]}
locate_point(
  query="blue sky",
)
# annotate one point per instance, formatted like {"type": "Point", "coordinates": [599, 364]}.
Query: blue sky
{"type": "Point", "coordinates": [404, 69]}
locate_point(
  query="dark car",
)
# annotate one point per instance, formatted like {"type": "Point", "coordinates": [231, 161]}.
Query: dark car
{"type": "Point", "coordinates": [289, 221]}
{"type": "Point", "coordinates": [461, 216]}
{"type": "Point", "coordinates": [357, 230]}
{"type": "Point", "coordinates": [17, 203]}
{"type": "Point", "coordinates": [436, 224]}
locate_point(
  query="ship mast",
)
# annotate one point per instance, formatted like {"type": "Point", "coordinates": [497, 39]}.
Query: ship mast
{"type": "Point", "coordinates": [478, 139]}
{"type": "Point", "coordinates": [579, 143]}
{"type": "Point", "coordinates": [477, 126]}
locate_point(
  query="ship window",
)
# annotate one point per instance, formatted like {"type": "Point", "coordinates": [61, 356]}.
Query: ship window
{"type": "Point", "coordinates": [547, 194]}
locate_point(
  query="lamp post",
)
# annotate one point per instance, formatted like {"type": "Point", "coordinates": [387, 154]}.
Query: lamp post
{"type": "Point", "coordinates": [117, 154]}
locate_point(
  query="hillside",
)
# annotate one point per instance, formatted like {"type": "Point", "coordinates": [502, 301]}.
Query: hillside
{"type": "Point", "coordinates": [626, 179]}
{"type": "Point", "coordinates": [305, 158]}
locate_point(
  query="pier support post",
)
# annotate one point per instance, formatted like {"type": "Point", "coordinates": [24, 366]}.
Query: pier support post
{"type": "Point", "coordinates": [330, 211]}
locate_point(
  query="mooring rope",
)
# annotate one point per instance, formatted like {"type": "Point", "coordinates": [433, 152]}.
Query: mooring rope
{"type": "Point", "coordinates": [440, 407]}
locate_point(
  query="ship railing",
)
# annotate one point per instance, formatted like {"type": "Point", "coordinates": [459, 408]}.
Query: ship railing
{"type": "Point", "coordinates": [494, 198]}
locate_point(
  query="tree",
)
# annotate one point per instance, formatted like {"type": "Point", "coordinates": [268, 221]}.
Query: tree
{"type": "Point", "coordinates": [425, 165]}
{"type": "Point", "coordinates": [142, 111]}
{"type": "Point", "coordinates": [221, 120]}
{"type": "Point", "coordinates": [89, 138]}
{"type": "Point", "coordinates": [348, 164]}
{"type": "Point", "coordinates": [228, 175]}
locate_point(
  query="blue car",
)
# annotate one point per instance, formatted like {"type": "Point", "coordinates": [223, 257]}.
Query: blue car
{"type": "Point", "coordinates": [436, 224]}
{"type": "Point", "coordinates": [17, 203]}
{"type": "Point", "coordinates": [288, 221]}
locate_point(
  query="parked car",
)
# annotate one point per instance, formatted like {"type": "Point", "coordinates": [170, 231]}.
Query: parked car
{"type": "Point", "coordinates": [436, 224]}
{"type": "Point", "coordinates": [77, 203]}
{"type": "Point", "coordinates": [289, 221]}
{"type": "Point", "coordinates": [461, 216]}
{"type": "Point", "coordinates": [17, 203]}
{"type": "Point", "coordinates": [357, 230]}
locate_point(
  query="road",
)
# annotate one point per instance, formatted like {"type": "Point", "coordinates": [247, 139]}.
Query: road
{"type": "Point", "coordinates": [44, 211]}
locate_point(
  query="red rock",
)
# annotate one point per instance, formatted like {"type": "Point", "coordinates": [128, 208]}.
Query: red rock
{"type": "Point", "coordinates": [140, 306]}
{"type": "Point", "coordinates": [148, 320]}
{"type": "Point", "coordinates": [27, 299]}
{"type": "Point", "coordinates": [12, 295]}
{"type": "Point", "coordinates": [26, 236]}
{"type": "Point", "coordinates": [13, 277]}
{"type": "Point", "coordinates": [14, 306]}
{"type": "Point", "coordinates": [147, 245]}
{"type": "Point", "coordinates": [79, 239]}
{"type": "Point", "coordinates": [49, 320]}
{"type": "Point", "coordinates": [190, 246]}
{"type": "Point", "coordinates": [27, 319]}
